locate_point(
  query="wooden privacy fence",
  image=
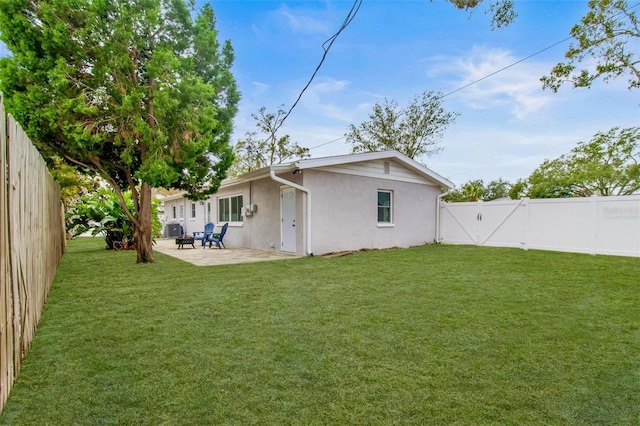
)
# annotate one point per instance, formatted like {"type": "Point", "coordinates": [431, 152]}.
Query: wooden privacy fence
{"type": "Point", "coordinates": [32, 240]}
{"type": "Point", "coordinates": [595, 225]}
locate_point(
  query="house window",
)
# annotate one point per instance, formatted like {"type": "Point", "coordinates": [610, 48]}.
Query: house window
{"type": "Point", "coordinates": [174, 212]}
{"type": "Point", "coordinates": [230, 209]}
{"type": "Point", "coordinates": [385, 209]}
{"type": "Point", "coordinates": [193, 210]}
{"type": "Point", "coordinates": [208, 211]}
{"type": "Point", "coordinates": [181, 211]}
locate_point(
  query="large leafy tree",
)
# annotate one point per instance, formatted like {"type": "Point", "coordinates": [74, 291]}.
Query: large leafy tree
{"type": "Point", "coordinates": [606, 165]}
{"type": "Point", "coordinates": [608, 34]}
{"type": "Point", "coordinates": [140, 93]}
{"type": "Point", "coordinates": [414, 130]}
{"type": "Point", "coordinates": [264, 147]}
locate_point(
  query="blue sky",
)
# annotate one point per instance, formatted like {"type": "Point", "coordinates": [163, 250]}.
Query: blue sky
{"type": "Point", "coordinates": [396, 50]}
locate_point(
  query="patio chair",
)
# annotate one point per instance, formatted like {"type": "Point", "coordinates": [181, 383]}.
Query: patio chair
{"type": "Point", "coordinates": [217, 238]}
{"type": "Point", "coordinates": [203, 236]}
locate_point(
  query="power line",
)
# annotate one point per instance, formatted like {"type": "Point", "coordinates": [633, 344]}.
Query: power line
{"type": "Point", "coordinates": [475, 81]}
{"type": "Point", "coordinates": [327, 143]}
{"type": "Point", "coordinates": [325, 46]}
{"type": "Point", "coordinates": [524, 59]}
{"type": "Point", "coordinates": [469, 84]}
{"type": "Point", "coordinates": [505, 68]}
{"type": "Point", "coordinates": [482, 78]}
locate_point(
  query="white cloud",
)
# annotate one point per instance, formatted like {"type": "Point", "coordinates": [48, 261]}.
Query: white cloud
{"type": "Point", "coordinates": [329, 85]}
{"type": "Point", "coordinates": [326, 96]}
{"type": "Point", "coordinates": [300, 22]}
{"type": "Point", "coordinates": [516, 88]}
{"type": "Point", "coordinates": [488, 153]}
{"type": "Point", "coordinates": [260, 88]}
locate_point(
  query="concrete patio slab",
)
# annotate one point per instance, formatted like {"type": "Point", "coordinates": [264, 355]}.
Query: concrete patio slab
{"type": "Point", "coordinates": [214, 256]}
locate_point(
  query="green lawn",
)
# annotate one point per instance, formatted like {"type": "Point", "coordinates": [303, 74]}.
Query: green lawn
{"type": "Point", "coordinates": [427, 335]}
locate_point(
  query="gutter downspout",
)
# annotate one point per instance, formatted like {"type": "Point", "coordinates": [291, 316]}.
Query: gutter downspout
{"type": "Point", "coordinates": [273, 176]}
{"type": "Point", "coordinates": [439, 199]}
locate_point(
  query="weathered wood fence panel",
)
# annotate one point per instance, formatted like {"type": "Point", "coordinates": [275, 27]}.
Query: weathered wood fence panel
{"type": "Point", "coordinates": [6, 306]}
{"type": "Point", "coordinates": [32, 242]}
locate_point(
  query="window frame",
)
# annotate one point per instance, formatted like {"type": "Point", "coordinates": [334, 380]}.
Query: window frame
{"type": "Point", "coordinates": [193, 211]}
{"type": "Point", "coordinates": [384, 223]}
{"type": "Point", "coordinates": [229, 210]}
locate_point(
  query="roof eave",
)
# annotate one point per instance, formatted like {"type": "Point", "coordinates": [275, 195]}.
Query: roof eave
{"type": "Point", "coordinates": [258, 174]}
{"type": "Point", "coordinates": [309, 163]}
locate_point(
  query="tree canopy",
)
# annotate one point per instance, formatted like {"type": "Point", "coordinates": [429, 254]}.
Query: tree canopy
{"type": "Point", "coordinates": [609, 34]}
{"type": "Point", "coordinates": [73, 184]}
{"type": "Point", "coordinates": [414, 130]}
{"type": "Point", "coordinates": [140, 93]}
{"type": "Point", "coordinates": [502, 12]}
{"type": "Point", "coordinates": [606, 165]}
{"type": "Point", "coordinates": [476, 190]}
{"type": "Point", "coordinates": [264, 148]}
{"type": "Point", "coordinates": [100, 212]}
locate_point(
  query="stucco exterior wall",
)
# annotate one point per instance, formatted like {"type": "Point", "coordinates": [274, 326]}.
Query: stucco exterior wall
{"type": "Point", "coordinates": [260, 230]}
{"type": "Point", "coordinates": [238, 233]}
{"type": "Point", "coordinates": [275, 210]}
{"type": "Point", "coordinates": [189, 223]}
{"type": "Point", "coordinates": [344, 208]}
{"type": "Point", "coordinates": [344, 212]}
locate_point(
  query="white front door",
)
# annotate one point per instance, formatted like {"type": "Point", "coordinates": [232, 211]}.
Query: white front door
{"type": "Point", "coordinates": [288, 219]}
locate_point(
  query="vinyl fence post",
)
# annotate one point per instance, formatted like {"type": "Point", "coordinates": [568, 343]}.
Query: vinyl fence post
{"type": "Point", "coordinates": [593, 212]}
{"type": "Point", "coordinates": [480, 227]}
{"type": "Point", "coordinates": [525, 224]}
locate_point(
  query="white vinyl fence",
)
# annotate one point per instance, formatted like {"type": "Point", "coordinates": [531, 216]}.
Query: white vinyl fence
{"type": "Point", "coordinates": [595, 225]}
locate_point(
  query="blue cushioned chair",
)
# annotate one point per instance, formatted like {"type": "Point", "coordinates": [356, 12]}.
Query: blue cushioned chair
{"type": "Point", "coordinates": [203, 236]}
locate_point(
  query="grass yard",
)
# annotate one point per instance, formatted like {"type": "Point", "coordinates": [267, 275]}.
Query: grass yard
{"type": "Point", "coordinates": [427, 335]}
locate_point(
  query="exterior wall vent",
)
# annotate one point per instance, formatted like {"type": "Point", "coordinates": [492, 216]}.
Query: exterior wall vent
{"type": "Point", "coordinates": [386, 167]}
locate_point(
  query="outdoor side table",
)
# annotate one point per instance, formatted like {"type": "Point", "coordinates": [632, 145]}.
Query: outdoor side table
{"type": "Point", "coordinates": [184, 240]}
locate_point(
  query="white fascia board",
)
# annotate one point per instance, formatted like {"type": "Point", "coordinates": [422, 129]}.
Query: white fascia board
{"type": "Point", "coordinates": [257, 174]}
{"type": "Point", "coordinates": [173, 197]}
{"type": "Point", "coordinates": [310, 163]}
{"type": "Point", "coordinates": [421, 169]}
{"type": "Point", "coordinates": [247, 177]}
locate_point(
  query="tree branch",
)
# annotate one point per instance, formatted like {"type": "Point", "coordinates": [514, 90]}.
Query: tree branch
{"type": "Point", "coordinates": [118, 190]}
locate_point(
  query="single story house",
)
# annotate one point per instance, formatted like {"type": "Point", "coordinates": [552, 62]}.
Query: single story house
{"type": "Point", "coordinates": [320, 205]}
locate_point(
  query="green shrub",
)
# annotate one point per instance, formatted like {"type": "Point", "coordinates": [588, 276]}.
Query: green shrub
{"type": "Point", "coordinates": [101, 213]}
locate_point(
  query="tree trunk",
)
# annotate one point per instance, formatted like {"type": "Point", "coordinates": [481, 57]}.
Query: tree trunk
{"type": "Point", "coordinates": [143, 232]}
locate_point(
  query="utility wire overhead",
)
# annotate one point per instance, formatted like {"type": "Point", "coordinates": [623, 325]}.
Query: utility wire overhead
{"type": "Point", "coordinates": [350, 17]}
{"type": "Point", "coordinates": [475, 81]}
{"type": "Point", "coordinates": [481, 78]}
{"type": "Point", "coordinates": [326, 46]}
{"type": "Point", "coordinates": [505, 68]}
